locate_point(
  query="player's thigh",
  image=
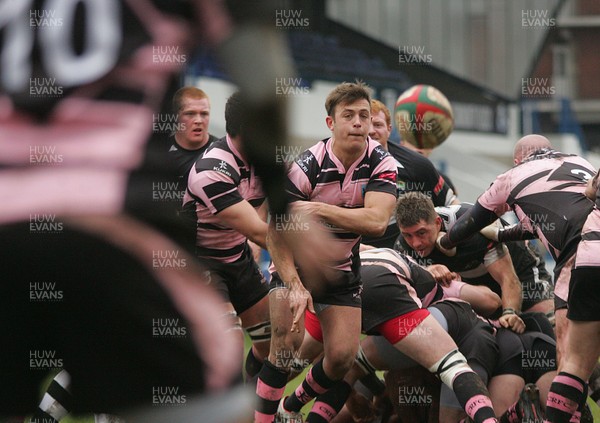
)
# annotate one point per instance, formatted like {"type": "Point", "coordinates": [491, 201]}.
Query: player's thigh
{"type": "Point", "coordinates": [427, 343]}
{"type": "Point", "coordinates": [341, 336]}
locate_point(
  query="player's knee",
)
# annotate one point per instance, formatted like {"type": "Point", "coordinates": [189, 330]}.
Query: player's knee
{"type": "Point", "coordinates": [450, 366]}
{"type": "Point", "coordinates": [339, 361]}
{"type": "Point", "coordinates": [283, 339]}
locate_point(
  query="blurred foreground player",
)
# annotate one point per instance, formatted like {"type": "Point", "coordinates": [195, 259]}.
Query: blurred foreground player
{"type": "Point", "coordinates": [77, 149]}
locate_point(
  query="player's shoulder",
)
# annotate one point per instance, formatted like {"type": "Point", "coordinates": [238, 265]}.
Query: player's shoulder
{"type": "Point", "coordinates": [402, 246]}
{"type": "Point", "coordinates": [212, 139]}
{"type": "Point", "coordinates": [310, 160]}
{"type": "Point", "coordinates": [376, 151]}
{"type": "Point", "coordinates": [220, 158]}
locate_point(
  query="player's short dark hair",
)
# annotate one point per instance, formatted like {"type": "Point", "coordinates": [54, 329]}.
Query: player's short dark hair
{"type": "Point", "coordinates": [187, 92]}
{"type": "Point", "coordinates": [347, 93]}
{"type": "Point", "coordinates": [234, 114]}
{"type": "Point", "coordinates": [413, 207]}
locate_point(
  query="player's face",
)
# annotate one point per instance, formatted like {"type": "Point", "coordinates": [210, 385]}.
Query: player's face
{"type": "Point", "coordinates": [193, 120]}
{"type": "Point", "coordinates": [380, 130]}
{"type": "Point", "coordinates": [351, 122]}
{"type": "Point", "coordinates": [422, 236]}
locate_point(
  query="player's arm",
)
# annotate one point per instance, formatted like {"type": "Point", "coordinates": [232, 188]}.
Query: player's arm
{"type": "Point", "coordinates": [491, 204]}
{"type": "Point", "coordinates": [263, 211]}
{"type": "Point", "coordinates": [516, 232]}
{"type": "Point", "coordinates": [372, 219]}
{"type": "Point", "coordinates": [220, 193]}
{"type": "Point", "coordinates": [482, 299]}
{"type": "Point", "coordinates": [243, 218]}
{"type": "Point", "coordinates": [503, 272]}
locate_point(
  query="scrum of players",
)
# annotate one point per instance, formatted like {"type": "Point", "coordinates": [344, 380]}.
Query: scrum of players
{"type": "Point", "coordinates": [451, 305]}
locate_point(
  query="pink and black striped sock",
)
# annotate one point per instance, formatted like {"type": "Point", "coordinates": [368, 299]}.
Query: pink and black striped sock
{"type": "Point", "coordinates": [269, 389]}
{"type": "Point", "coordinates": [567, 395]}
{"type": "Point", "coordinates": [328, 405]}
{"type": "Point", "coordinates": [315, 383]}
{"type": "Point", "coordinates": [474, 397]}
{"type": "Point", "coordinates": [511, 415]}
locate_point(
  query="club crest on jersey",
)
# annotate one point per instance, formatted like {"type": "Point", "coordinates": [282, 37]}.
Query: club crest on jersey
{"type": "Point", "coordinates": [380, 152]}
{"type": "Point", "coordinates": [304, 161]}
{"type": "Point", "coordinates": [222, 168]}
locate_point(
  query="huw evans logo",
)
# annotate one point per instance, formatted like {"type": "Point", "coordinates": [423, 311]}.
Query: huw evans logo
{"type": "Point", "coordinates": [290, 359]}
{"type": "Point", "coordinates": [44, 223]}
{"type": "Point", "coordinates": [44, 18]}
{"type": "Point", "coordinates": [538, 359]}
{"type": "Point", "coordinates": [167, 191]}
{"type": "Point", "coordinates": [44, 360]}
{"type": "Point", "coordinates": [287, 153]}
{"type": "Point", "coordinates": [44, 87]}
{"type": "Point", "coordinates": [168, 55]}
{"type": "Point", "coordinates": [419, 124]}
{"type": "Point", "coordinates": [537, 19]}
{"type": "Point", "coordinates": [44, 155]}
{"type": "Point", "coordinates": [290, 222]}
{"type": "Point", "coordinates": [166, 123]}
{"type": "Point", "coordinates": [168, 328]}
{"type": "Point", "coordinates": [414, 395]}
{"type": "Point", "coordinates": [414, 55]}
{"type": "Point", "coordinates": [537, 88]}
{"type": "Point", "coordinates": [540, 221]}
{"type": "Point", "coordinates": [291, 19]}
{"type": "Point", "coordinates": [168, 259]}
{"type": "Point", "coordinates": [290, 86]}
{"type": "Point", "coordinates": [167, 396]}
{"type": "Point", "coordinates": [44, 292]}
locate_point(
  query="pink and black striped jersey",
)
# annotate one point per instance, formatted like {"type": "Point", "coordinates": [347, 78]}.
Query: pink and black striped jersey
{"type": "Point", "coordinates": [218, 180]}
{"type": "Point", "coordinates": [80, 86]}
{"type": "Point", "coordinates": [418, 283]}
{"type": "Point", "coordinates": [588, 251]}
{"type": "Point", "coordinates": [318, 175]}
{"type": "Point", "coordinates": [547, 194]}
